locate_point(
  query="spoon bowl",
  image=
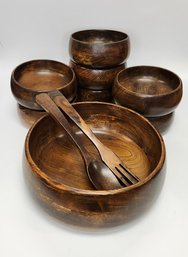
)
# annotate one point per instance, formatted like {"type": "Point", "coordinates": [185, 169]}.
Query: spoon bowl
{"type": "Point", "coordinates": [102, 177]}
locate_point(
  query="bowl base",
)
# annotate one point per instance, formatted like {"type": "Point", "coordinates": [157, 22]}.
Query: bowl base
{"type": "Point", "coordinates": [162, 123]}
{"type": "Point", "coordinates": [28, 116]}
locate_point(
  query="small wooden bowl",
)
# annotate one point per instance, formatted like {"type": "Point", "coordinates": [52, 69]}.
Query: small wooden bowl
{"type": "Point", "coordinates": [85, 95]}
{"type": "Point", "coordinates": [96, 79]}
{"type": "Point", "coordinates": [55, 171]}
{"type": "Point", "coordinates": [99, 48]}
{"type": "Point", "coordinates": [36, 76]}
{"type": "Point", "coordinates": [152, 91]}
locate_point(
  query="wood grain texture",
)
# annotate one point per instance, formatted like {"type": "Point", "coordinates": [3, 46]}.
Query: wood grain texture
{"type": "Point", "coordinates": [112, 161]}
{"type": "Point", "coordinates": [96, 79]}
{"type": "Point", "coordinates": [55, 173]}
{"type": "Point", "coordinates": [99, 48]}
{"type": "Point", "coordinates": [151, 91]}
{"type": "Point", "coordinates": [98, 173]}
{"type": "Point", "coordinates": [32, 77]}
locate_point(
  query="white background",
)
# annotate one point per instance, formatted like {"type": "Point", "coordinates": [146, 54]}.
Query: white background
{"type": "Point", "coordinates": [41, 29]}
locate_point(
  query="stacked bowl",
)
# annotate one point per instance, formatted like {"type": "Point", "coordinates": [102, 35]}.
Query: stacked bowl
{"type": "Point", "coordinates": [96, 58]}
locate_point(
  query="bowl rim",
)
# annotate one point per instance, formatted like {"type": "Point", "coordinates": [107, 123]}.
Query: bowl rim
{"type": "Point", "coordinates": [126, 37]}
{"type": "Point", "coordinates": [76, 65]}
{"type": "Point", "coordinates": [62, 187]}
{"type": "Point", "coordinates": [18, 84]}
{"type": "Point", "coordinates": [117, 82]}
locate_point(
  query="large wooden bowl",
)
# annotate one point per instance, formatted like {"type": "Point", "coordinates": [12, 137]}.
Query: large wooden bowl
{"type": "Point", "coordinates": [99, 48]}
{"type": "Point", "coordinates": [36, 76]}
{"type": "Point", "coordinates": [55, 171]}
{"type": "Point", "coordinates": [152, 91]}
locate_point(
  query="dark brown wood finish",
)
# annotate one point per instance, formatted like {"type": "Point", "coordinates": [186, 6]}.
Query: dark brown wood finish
{"type": "Point", "coordinates": [152, 91]}
{"type": "Point", "coordinates": [96, 79]}
{"type": "Point", "coordinates": [99, 48]}
{"type": "Point", "coordinates": [54, 168]}
{"type": "Point", "coordinates": [36, 76]}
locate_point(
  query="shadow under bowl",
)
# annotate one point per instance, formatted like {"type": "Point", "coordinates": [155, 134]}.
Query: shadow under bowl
{"type": "Point", "coordinates": [99, 48]}
{"type": "Point", "coordinates": [37, 76]}
{"type": "Point", "coordinates": [55, 171]}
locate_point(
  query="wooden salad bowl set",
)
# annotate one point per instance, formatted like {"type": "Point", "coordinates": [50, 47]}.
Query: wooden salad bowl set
{"type": "Point", "coordinates": [126, 109]}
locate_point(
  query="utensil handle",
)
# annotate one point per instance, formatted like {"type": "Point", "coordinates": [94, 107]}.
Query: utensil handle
{"type": "Point", "coordinates": [64, 104]}
{"type": "Point", "coordinates": [106, 154]}
{"type": "Point", "coordinates": [44, 100]}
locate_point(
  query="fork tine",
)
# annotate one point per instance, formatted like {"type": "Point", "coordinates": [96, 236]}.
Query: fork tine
{"type": "Point", "coordinates": [121, 176]}
{"type": "Point", "coordinates": [132, 178]}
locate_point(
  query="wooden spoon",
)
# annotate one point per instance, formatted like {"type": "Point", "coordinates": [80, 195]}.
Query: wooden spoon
{"type": "Point", "coordinates": [99, 174]}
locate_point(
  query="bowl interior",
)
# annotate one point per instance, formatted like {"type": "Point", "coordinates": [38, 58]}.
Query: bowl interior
{"type": "Point", "coordinates": [148, 80]}
{"type": "Point", "coordinates": [128, 134]}
{"type": "Point", "coordinates": [39, 75]}
{"type": "Point", "coordinates": [99, 36]}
